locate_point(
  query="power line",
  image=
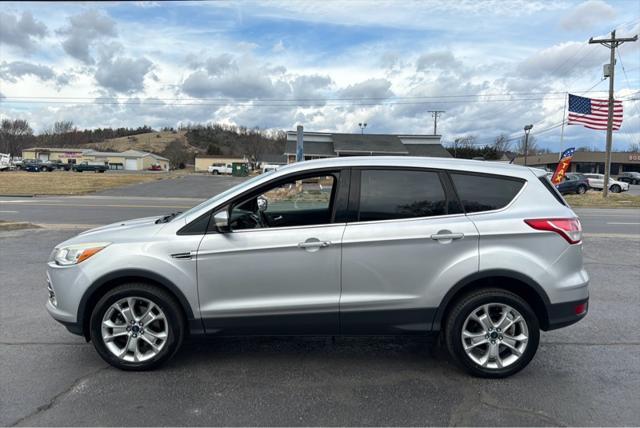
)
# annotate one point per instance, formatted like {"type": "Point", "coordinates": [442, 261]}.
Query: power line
{"type": "Point", "coordinates": [227, 100]}
{"type": "Point", "coordinates": [259, 103]}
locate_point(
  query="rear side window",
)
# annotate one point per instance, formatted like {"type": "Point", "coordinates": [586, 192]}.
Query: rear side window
{"type": "Point", "coordinates": [397, 194]}
{"type": "Point", "coordinates": [485, 192]}
{"type": "Point", "coordinates": [553, 189]}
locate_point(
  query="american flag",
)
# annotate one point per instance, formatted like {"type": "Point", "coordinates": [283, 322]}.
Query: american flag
{"type": "Point", "coordinates": [593, 113]}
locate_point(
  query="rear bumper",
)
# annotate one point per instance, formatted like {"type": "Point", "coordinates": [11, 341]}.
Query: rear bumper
{"type": "Point", "coordinates": [566, 313]}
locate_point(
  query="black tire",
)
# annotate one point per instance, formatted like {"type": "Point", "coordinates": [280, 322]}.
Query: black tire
{"type": "Point", "coordinates": [463, 307]}
{"type": "Point", "coordinates": [581, 190]}
{"type": "Point", "coordinates": [215, 172]}
{"type": "Point", "coordinates": [161, 298]}
{"type": "Point", "coordinates": [616, 189]}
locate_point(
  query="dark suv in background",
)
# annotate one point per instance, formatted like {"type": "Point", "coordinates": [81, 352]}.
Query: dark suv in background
{"type": "Point", "coordinates": [631, 177]}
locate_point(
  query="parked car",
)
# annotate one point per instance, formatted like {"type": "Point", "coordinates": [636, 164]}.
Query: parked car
{"type": "Point", "coordinates": [220, 168]}
{"type": "Point", "coordinates": [573, 183]}
{"type": "Point", "coordinates": [33, 165]}
{"type": "Point", "coordinates": [484, 253]}
{"type": "Point", "coordinates": [596, 181]}
{"type": "Point", "coordinates": [86, 166]}
{"type": "Point", "coordinates": [155, 167]}
{"type": "Point", "coordinates": [630, 177]}
{"type": "Point", "coordinates": [268, 168]}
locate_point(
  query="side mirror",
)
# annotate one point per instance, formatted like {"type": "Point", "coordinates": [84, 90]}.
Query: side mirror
{"type": "Point", "coordinates": [263, 204]}
{"type": "Point", "coordinates": [221, 219]}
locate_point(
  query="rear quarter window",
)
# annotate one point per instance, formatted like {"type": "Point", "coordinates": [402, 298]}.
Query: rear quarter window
{"type": "Point", "coordinates": [480, 192]}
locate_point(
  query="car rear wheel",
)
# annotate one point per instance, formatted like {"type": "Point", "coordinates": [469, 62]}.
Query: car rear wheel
{"type": "Point", "coordinates": [137, 327]}
{"type": "Point", "coordinates": [492, 333]}
{"type": "Point", "coordinates": [616, 188]}
{"type": "Point", "coordinates": [581, 190]}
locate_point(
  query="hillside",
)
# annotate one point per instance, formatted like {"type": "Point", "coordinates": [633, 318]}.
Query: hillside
{"type": "Point", "coordinates": [155, 142]}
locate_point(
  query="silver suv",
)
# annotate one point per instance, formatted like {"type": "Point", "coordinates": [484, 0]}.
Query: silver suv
{"type": "Point", "coordinates": [484, 253]}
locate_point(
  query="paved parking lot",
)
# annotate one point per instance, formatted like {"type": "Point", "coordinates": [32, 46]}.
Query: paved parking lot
{"type": "Point", "coordinates": [586, 374]}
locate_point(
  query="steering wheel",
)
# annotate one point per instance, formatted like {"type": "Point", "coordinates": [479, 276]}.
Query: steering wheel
{"type": "Point", "coordinates": [257, 219]}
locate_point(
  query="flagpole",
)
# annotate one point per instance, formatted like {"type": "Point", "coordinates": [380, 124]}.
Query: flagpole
{"type": "Point", "coordinates": [564, 112]}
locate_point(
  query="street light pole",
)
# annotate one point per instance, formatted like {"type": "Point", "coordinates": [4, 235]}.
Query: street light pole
{"type": "Point", "coordinates": [527, 129]}
{"type": "Point", "coordinates": [362, 126]}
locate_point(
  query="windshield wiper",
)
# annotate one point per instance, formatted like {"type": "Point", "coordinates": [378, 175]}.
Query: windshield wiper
{"type": "Point", "coordinates": [167, 218]}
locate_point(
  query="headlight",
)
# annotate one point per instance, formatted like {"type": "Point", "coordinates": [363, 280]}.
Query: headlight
{"type": "Point", "coordinates": [74, 254]}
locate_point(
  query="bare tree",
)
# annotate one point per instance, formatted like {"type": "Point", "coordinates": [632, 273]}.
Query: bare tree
{"type": "Point", "coordinates": [532, 147]}
{"type": "Point", "coordinates": [63, 127]}
{"type": "Point", "coordinates": [501, 144]}
{"type": "Point", "coordinates": [14, 136]}
{"type": "Point", "coordinates": [634, 147]}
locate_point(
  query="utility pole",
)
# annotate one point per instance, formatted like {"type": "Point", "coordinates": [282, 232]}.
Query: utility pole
{"type": "Point", "coordinates": [612, 44]}
{"type": "Point", "coordinates": [435, 114]}
{"type": "Point", "coordinates": [527, 129]}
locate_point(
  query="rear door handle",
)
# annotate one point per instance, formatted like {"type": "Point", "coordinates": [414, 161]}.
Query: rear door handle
{"type": "Point", "coordinates": [447, 236]}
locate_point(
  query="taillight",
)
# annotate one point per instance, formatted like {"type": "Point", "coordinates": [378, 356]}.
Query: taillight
{"type": "Point", "coordinates": [569, 228]}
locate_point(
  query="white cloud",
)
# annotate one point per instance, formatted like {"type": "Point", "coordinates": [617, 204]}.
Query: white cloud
{"type": "Point", "coordinates": [122, 74]}
{"type": "Point", "coordinates": [565, 59]}
{"type": "Point", "coordinates": [83, 30]}
{"type": "Point", "coordinates": [586, 15]}
{"type": "Point", "coordinates": [370, 88]}
{"type": "Point", "coordinates": [21, 31]}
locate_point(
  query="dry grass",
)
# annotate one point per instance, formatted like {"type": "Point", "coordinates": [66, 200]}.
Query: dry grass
{"type": "Point", "coordinates": [16, 225]}
{"type": "Point", "coordinates": [594, 199]}
{"type": "Point", "coordinates": [68, 183]}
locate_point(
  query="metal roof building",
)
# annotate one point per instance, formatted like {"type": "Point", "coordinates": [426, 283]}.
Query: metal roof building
{"type": "Point", "coordinates": [325, 145]}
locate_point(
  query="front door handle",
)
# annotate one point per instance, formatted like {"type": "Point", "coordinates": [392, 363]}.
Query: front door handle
{"type": "Point", "coordinates": [313, 244]}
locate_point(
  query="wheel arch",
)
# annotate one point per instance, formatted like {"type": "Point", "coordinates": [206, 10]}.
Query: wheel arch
{"type": "Point", "coordinates": [515, 282]}
{"type": "Point", "coordinates": [107, 282]}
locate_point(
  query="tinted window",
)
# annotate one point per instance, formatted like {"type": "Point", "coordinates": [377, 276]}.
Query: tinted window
{"type": "Point", "coordinates": [485, 192]}
{"type": "Point", "coordinates": [394, 194]}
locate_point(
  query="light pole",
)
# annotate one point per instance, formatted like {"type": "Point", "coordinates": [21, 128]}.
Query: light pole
{"type": "Point", "coordinates": [527, 129]}
{"type": "Point", "coordinates": [362, 126]}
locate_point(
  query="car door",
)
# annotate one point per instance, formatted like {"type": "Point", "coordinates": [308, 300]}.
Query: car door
{"type": "Point", "coordinates": [596, 180]}
{"type": "Point", "coordinates": [408, 243]}
{"type": "Point", "coordinates": [277, 269]}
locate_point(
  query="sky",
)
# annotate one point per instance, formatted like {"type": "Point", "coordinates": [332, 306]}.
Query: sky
{"type": "Point", "coordinates": [492, 66]}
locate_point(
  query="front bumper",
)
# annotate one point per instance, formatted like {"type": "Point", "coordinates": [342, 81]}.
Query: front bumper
{"type": "Point", "coordinates": [67, 285]}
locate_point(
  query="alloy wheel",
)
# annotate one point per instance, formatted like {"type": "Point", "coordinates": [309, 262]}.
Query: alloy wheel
{"type": "Point", "coordinates": [494, 335]}
{"type": "Point", "coordinates": [134, 329]}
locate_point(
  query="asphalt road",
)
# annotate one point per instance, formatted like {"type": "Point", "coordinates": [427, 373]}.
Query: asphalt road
{"type": "Point", "coordinates": [586, 374]}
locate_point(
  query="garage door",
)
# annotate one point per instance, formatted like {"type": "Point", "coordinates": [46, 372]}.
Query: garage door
{"type": "Point", "coordinates": [131, 164]}
{"type": "Point", "coordinates": [44, 157]}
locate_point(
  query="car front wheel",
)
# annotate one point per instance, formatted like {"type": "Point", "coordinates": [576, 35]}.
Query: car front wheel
{"type": "Point", "coordinates": [616, 189]}
{"type": "Point", "coordinates": [581, 190]}
{"type": "Point", "coordinates": [137, 327]}
{"type": "Point", "coordinates": [492, 333]}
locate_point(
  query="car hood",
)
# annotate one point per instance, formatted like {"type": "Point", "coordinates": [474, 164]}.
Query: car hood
{"type": "Point", "coordinates": [123, 225]}
{"type": "Point", "coordinates": [122, 231]}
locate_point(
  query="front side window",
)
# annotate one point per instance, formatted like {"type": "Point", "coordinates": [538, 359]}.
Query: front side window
{"type": "Point", "coordinates": [398, 194]}
{"type": "Point", "coordinates": [485, 192]}
{"type": "Point", "coordinates": [299, 202]}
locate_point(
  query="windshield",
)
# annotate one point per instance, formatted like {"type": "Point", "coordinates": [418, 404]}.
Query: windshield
{"type": "Point", "coordinates": [221, 195]}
